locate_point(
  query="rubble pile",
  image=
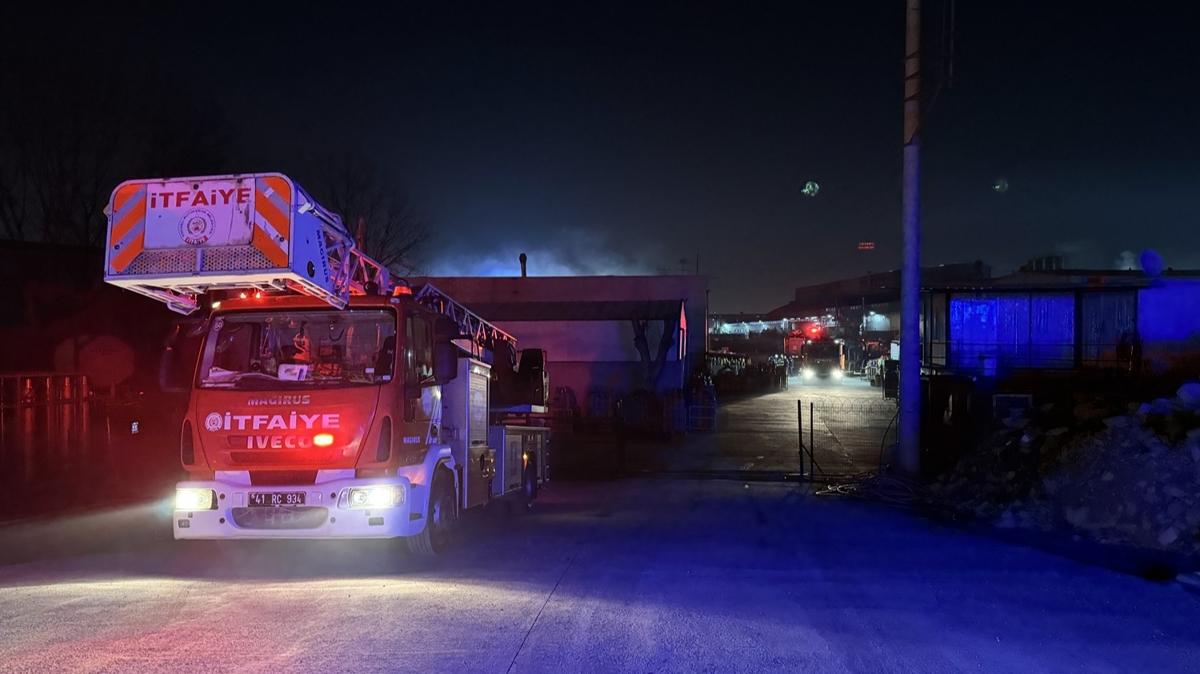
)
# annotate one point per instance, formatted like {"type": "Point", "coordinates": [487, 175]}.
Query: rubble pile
{"type": "Point", "coordinates": [1124, 475]}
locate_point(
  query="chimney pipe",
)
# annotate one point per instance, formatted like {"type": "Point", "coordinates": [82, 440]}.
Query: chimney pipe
{"type": "Point", "coordinates": [523, 259]}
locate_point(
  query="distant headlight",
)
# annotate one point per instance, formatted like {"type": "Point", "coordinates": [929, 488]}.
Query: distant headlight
{"type": "Point", "coordinates": [809, 373]}
{"type": "Point", "coordinates": [378, 496]}
{"type": "Point", "coordinates": [837, 373]}
{"type": "Point", "coordinates": [191, 498]}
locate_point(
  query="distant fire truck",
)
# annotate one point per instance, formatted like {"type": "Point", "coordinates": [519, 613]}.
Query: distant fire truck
{"type": "Point", "coordinates": [820, 354]}
{"type": "Point", "coordinates": [327, 399]}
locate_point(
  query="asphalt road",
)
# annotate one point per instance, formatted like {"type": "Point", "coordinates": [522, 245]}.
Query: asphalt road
{"type": "Point", "coordinates": [761, 433]}
{"type": "Point", "coordinates": [637, 575]}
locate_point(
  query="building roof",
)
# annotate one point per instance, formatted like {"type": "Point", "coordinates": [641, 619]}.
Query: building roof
{"type": "Point", "coordinates": [872, 288]}
{"type": "Point", "coordinates": [579, 311]}
{"type": "Point", "coordinates": [1065, 279]}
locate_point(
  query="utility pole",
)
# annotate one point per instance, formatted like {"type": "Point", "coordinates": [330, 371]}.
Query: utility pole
{"type": "Point", "coordinates": [908, 456]}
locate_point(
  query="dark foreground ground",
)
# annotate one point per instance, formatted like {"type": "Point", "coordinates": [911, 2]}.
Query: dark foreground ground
{"type": "Point", "coordinates": [639, 575]}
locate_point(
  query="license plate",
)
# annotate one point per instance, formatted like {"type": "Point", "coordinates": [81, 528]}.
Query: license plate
{"type": "Point", "coordinates": [270, 499]}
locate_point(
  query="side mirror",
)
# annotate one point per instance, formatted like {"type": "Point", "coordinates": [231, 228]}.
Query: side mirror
{"type": "Point", "coordinates": [445, 362]}
{"type": "Point", "coordinates": [178, 361]}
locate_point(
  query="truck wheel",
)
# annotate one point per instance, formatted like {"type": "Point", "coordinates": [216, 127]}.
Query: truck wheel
{"type": "Point", "coordinates": [440, 519]}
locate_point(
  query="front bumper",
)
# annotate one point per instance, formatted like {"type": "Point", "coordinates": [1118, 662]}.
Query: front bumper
{"type": "Point", "coordinates": [324, 514]}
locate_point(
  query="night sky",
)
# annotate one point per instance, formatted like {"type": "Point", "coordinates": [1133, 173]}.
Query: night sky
{"type": "Point", "coordinates": [621, 139]}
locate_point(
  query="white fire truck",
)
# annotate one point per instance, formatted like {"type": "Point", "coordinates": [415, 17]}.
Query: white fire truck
{"type": "Point", "coordinates": [327, 399]}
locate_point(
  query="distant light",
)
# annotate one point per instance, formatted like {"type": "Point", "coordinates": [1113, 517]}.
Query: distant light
{"type": "Point", "coordinates": [1000, 186]}
{"type": "Point", "coordinates": [811, 188]}
{"type": "Point", "coordinates": [866, 245]}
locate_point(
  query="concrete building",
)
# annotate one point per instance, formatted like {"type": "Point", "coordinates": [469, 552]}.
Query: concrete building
{"type": "Point", "coordinates": [588, 326]}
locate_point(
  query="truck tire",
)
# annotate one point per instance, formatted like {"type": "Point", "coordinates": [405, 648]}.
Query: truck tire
{"type": "Point", "coordinates": [440, 518]}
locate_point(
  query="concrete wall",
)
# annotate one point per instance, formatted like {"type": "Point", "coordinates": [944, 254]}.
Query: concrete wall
{"type": "Point", "coordinates": [593, 355]}
{"type": "Point", "coordinates": [693, 290]}
{"type": "Point", "coordinates": [585, 340]}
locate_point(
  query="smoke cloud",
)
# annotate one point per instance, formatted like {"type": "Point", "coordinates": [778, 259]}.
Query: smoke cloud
{"type": "Point", "coordinates": [566, 253]}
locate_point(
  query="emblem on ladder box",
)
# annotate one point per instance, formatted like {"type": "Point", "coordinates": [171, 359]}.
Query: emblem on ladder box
{"type": "Point", "coordinates": [196, 227]}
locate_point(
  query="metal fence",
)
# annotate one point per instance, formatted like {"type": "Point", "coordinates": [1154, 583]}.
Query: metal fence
{"type": "Point", "coordinates": [844, 438]}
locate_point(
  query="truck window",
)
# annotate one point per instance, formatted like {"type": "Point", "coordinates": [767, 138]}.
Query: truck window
{"type": "Point", "coordinates": [257, 350]}
{"type": "Point", "coordinates": [419, 349]}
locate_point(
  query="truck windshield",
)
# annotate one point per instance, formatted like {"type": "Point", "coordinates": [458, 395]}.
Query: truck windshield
{"type": "Point", "coordinates": [822, 349]}
{"type": "Point", "coordinates": [300, 349]}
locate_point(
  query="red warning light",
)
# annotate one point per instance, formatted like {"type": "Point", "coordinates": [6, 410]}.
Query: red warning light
{"type": "Point", "coordinates": [866, 245]}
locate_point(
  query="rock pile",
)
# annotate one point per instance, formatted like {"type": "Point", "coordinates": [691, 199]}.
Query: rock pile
{"type": "Point", "coordinates": [1129, 476]}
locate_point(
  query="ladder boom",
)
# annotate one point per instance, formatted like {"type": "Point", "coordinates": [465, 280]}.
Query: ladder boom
{"type": "Point", "coordinates": [469, 323]}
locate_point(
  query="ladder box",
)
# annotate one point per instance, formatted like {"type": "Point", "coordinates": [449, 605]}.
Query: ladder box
{"type": "Point", "coordinates": [173, 239]}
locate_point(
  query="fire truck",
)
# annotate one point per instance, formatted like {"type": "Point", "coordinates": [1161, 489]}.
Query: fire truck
{"type": "Point", "coordinates": [821, 355]}
{"type": "Point", "coordinates": [327, 399]}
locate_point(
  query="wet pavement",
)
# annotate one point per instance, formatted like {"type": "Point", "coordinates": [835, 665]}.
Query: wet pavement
{"type": "Point", "coordinates": [642, 574]}
{"type": "Point", "coordinates": [61, 457]}
{"type": "Point", "coordinates": [637, 575]}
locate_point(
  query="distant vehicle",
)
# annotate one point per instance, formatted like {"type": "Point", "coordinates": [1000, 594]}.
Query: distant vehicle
{"type": "Point", "coordinates": [890, 378]}
{"type": "Point", "coordinates": [822, 358]}
{"type": "Point", "coordinates": [873, 371]}
{"type": "Point", "coordinates": [327, 401]}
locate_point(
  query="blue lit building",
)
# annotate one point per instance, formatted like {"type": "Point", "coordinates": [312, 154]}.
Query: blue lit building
{"type": "Point", "coordinates": [1062, 319]}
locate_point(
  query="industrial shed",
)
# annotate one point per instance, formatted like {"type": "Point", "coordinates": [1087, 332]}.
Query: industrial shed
{"type": "Point", "coordinates": [589, 326]}
{"type": "Point", "coordinates": [1063, 319]}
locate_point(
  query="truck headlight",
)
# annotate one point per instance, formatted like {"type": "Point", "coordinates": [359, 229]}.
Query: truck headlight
{"type": "Point", "coordinates": [377, 496]}
{"type": "Point", "coordinates": [837, 373]}
{"type": "Point", "coordinates": [809, 373]}
{"type": "Point", "coordinates": [192, 498]}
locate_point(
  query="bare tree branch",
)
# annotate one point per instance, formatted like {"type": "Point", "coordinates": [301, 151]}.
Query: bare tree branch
{"type": "Point", "coordinates": [375, 209]}
{"type": "Point", "coordinates": [75, 131]}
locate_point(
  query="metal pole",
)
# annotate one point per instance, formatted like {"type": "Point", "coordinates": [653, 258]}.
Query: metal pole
{"type": "Point", "coordinates": [908, 459]}
{"type": "Point", "coordinates": [800, 423]}
{"type": "Point", "coordinates": [812, 459]}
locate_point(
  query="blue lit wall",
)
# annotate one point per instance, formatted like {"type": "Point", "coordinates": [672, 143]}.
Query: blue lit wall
{"type": "Point", "coordinates": [991, 332]}
{"type": "Point", "coordinates": [1168, 323]}
{"type": "Point", "coordinates": [1169, 311]}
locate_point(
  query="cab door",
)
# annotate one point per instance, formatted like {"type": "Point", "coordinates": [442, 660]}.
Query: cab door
{"type": "Point", "coordinates": [419, 407]}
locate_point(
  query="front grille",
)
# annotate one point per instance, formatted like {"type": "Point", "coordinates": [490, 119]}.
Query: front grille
{"type": "Point", "coordinates": [282, 477]}
{"type": "Point", "coordinates": [282, 517]}
{"type": "Point", "coordinates": [267, 457]}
